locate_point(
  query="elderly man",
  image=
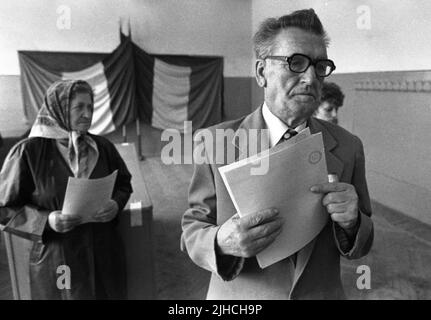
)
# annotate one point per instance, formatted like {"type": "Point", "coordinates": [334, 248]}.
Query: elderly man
{"type": "Point", "coordinates": [332, 99]}
{"type": "Point", "coordinates": [291, 66]}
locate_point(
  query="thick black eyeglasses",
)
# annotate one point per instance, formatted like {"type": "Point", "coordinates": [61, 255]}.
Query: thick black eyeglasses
{"type": "Point", "coordinates": [299, 63]}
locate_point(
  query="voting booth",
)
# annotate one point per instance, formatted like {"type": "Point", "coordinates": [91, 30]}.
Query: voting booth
{"type": "Point", "coordinates": [135, 228]}
{"type": "Point", "coordinates": [18, 255]}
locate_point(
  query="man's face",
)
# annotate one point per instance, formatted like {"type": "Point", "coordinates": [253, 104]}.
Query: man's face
{"type": "Point", "coordinates": [293, 97]}
{"type": "Point", "coordinates": [81, 112]}
{"type": "Point", "coordinates": [327, 111]}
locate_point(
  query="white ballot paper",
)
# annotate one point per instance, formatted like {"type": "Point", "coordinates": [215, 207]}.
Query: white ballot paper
{"type": "Point", "coordinates": [293, 169]}
{"type": "Point", "coordinates": [85, 197]}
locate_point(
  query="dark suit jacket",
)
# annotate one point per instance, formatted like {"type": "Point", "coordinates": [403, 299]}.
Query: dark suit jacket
{"type": "Point", "coordinates": [316, 274]}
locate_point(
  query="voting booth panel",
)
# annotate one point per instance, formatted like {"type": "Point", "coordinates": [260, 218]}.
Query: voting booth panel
{"type": "Point", "coordinates": [135, 225]}
{"type": "Point", "coordinates": [18, 255]}
{"type": "Point", "coordinates": [135, 228]}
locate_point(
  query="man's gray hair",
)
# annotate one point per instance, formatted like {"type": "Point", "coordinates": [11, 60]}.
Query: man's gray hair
{"type": "Point", "coordinates": [307, 20]}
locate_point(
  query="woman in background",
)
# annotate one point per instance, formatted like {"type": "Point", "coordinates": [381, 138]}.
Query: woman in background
{"type": "Point", "coordinates": [33, 183]}
{"type": "Point", "coordinates": [332, 99]}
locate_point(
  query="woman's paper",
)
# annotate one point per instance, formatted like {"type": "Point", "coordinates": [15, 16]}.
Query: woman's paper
{"type": "Point", "coordinates": [85, 197]}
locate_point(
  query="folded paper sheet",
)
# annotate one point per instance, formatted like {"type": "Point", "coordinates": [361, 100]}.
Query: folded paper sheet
{"type": "Point", "coordinates": [84, 197]}
{"type": "Point", "coordinates": [292, 170]}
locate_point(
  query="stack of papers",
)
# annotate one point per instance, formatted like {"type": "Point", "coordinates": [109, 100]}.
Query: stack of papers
{"type": "Point", "coordinates": [293, 167]}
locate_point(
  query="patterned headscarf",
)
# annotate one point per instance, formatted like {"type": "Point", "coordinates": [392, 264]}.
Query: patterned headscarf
{"type": "Point", "coordinates": [53, 119]}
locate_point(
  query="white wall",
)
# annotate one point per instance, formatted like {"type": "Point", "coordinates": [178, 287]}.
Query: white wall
{"type": "Point", "coordinates": [399, 37]}
{"type": "Point", "coordinates": [190, 27]}
{"type": "Point", "coordinates": [208, 27]}
{"type": "Point", "coordinates": [194, 27]}
{"type": "Point", "coordinates": [32, 25]}
{"type": "Point", "coordinates": [394, 127]}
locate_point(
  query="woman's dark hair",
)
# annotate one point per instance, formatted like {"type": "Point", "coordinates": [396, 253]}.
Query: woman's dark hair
{"type": "Point", "coordinates": [332, 93]}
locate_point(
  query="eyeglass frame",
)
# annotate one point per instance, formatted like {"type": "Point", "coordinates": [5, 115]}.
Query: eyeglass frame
{"type": "Point", "coordinates": [312, 62]}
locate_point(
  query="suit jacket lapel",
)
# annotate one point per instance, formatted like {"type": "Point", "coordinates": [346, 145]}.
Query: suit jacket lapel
{"type": "Point", "coordinates": [251, 137]}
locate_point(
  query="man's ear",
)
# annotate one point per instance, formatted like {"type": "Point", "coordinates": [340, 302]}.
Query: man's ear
{"type": "Point", "coordinates": [260, 73]}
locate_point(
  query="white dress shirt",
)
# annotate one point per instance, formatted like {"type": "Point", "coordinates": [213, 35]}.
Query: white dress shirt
{"type": "Point", "coordinates": [276, 127]}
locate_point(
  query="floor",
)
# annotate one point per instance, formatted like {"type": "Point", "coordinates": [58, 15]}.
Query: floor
{"type": "Point", "coordinates": [177, 277]}
{"type": "Point", "coordinates": [399, 260]}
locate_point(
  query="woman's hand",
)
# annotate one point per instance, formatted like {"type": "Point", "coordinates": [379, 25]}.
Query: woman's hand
{"type": "Point", "coordinates": [62, 222]}
{"type": "Point", "coordinates": [107, 213]}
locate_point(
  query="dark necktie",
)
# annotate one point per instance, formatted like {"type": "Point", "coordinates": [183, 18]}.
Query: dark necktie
{"type": "Point", "coordinates": [289, 134]}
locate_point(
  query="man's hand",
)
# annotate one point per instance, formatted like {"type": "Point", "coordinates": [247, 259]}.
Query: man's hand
{"type": "Point", "coordinates": [107, 213]}
{"type": "Point", "coordinates": [247, 236]}
{"type": "Point", "coordinates": [62, 222]}
{"type": "Point", "coordinates": [341, 202]}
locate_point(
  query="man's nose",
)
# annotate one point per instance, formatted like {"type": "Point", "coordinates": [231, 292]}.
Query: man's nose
{"type": "Point", "coordinates": [309, 76]}
{"type": "Point", "coordinates": [334, 113]}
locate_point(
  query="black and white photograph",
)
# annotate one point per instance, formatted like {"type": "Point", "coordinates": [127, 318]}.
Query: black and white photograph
{"type": "Point", "coordinates": [237, 151]}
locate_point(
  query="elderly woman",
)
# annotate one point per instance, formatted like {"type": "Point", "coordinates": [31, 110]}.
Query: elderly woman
{"type": "Point", "coordinates": [33, 183]}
